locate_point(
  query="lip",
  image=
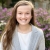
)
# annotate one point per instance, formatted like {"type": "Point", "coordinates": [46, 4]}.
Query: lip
{"type": "Point", "coordinates": [23, 19]}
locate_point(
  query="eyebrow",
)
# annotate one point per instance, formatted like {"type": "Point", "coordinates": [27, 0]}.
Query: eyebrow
{"type": "Point", "coordinates": [21, 11]}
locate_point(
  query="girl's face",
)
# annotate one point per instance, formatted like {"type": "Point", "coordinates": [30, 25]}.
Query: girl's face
{"type": "Point", "coordinates": [23, 15]}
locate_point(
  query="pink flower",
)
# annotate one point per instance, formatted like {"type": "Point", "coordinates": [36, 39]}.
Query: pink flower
{"type": "Point", "coordinates": [43, 29]}
{"type": "Point", "coordinates": [48, 34]}
{"type": "Point", "coordinates": [4, 10]}
{"type": "Point", "coordinates": [49, 29]}
{"type": "Point", "coordinates": [45, 13]}
{"type": "Point", "coordinates": [40, 9]}
{"type": "Point", "coordinates": [48, 17]}
{"type": "Point", "coordinates": [9, 14]}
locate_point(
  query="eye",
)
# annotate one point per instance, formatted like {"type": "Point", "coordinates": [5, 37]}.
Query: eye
{"type": "Point", "coordinates": [27, 13]}
{"type": "Point", "coordinates": [19, 13]}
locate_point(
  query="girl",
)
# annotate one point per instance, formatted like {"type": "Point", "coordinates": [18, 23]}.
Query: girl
{"type": "Point", "coordinates": [20, 32]}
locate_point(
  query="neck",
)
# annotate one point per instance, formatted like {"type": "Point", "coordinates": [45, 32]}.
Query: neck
{"type": "Point", "coordinates": [24, 29]}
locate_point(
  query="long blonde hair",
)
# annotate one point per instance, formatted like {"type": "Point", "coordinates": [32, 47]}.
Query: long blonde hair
{"type": "Point", "coordinates": [10, 26]}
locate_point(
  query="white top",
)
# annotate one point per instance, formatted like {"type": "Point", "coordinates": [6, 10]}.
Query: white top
{"type": "Point", "coordinates": [24, 40]}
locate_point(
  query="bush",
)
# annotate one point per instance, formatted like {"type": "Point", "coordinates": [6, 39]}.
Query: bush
{"type": "Point", "coordinates": [43, 21]}
{"type": "Point", "coordinates": [4, 16]}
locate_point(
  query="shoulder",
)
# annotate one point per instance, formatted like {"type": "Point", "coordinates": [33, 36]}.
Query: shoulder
{"type": "Point", "coordinates": [37, 30]}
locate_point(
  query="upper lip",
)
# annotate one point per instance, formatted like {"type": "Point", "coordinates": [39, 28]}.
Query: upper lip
{"type": "Point", "coordinates": [23, 19]}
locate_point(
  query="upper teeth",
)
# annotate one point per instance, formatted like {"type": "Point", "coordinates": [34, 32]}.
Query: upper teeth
{"type": "Point", "coordinates": [23, 19]}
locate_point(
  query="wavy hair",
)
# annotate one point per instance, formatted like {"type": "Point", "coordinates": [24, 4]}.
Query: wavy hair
{"type": "Point", "coordinates": [11, 24]}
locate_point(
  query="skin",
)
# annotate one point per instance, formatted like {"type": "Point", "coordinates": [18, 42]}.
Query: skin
{"type": "Point", "coordinates": [23, 16]}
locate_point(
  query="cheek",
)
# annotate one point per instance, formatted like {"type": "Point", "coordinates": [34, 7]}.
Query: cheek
{"type": "Point", "coordinates": [30, 17]}
{"type": "Point", "coordinates": [17, 16]}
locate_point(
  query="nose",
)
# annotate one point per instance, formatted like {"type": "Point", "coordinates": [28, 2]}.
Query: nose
{"type": "Point", "coordinates": [23, 16]}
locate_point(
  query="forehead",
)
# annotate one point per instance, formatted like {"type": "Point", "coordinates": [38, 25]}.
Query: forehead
{"type": "Point", "coordinates": [24, 8]}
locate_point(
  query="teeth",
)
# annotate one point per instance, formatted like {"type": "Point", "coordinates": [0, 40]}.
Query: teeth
{"type": "Point", "coordinates": [23, 20]}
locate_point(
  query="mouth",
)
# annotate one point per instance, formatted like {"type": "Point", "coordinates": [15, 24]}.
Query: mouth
{"type": "Point", "coordinates": [23, 20]}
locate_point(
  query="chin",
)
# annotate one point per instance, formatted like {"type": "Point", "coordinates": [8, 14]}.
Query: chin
{"type": "Point", "coordinates": [23, 24]}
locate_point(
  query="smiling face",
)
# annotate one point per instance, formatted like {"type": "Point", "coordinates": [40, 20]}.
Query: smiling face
{"type": "Point", "coordinates": [23, 15]}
